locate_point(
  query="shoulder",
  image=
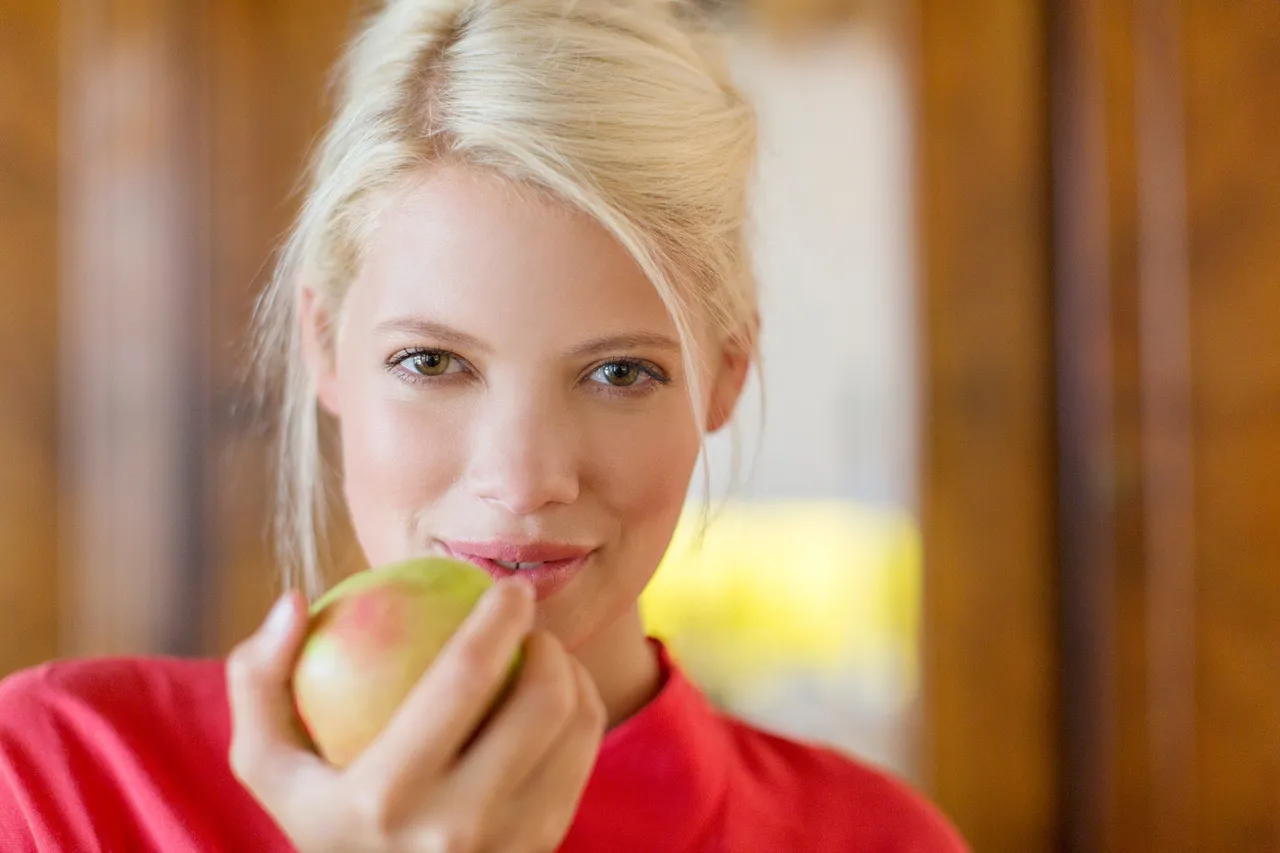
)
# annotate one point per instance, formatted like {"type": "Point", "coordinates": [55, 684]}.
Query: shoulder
{"type": "Point", "coordinates": [79, 700]}
{"type": "Point", "coordinates": [123, 754]}
{"type": "Point", "coordinates": [110, 683]}
{"type": "Point", "coordinates": [849, 804]}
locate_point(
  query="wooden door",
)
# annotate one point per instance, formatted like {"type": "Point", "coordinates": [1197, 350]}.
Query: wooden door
{"type": "Point", "coordinates": [29, 370]}
{"type": "Point", "coordinates": [270, 66]}
{"type": "Point", "coordinates": [1115, 688]}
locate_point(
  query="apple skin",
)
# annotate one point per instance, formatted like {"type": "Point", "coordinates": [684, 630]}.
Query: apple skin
{"type": "Point", "coordinates": [370, 639]}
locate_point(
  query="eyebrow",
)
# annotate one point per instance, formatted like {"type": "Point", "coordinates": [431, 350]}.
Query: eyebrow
{"type": "Point", "coordinates": [446, 335]}
{"type": "Point", "coordinates": [613, 343]}
{"type": "Point", "coordinates": [449, 336]}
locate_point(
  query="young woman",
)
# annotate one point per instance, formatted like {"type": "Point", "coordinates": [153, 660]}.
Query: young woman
{"type": "Point", "coordinates": [519, 290]}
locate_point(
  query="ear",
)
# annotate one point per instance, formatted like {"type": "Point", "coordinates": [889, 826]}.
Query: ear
{"type": "Point", "coordinates": [730, 378]}
{"type": "Point", "coordinates": [318, 340]}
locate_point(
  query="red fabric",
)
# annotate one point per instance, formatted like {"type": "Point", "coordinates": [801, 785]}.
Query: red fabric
{"type": "Point", "coordinates": [131, 755]}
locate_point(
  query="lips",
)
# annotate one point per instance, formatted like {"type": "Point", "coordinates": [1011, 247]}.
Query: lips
{"type": "Point", "coordinates": [511, 552]}
{"type": "Point", "coordinates": [548, 566]}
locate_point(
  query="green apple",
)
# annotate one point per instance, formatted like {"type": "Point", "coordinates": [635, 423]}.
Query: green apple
{"type": "Point", "coordinates": [369, 640]}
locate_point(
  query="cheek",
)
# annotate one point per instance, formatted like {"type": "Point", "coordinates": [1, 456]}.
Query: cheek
{"type": "Point", "coordinates": [645, 479]}
{"type": "Point", "coordinates": [397, 459]}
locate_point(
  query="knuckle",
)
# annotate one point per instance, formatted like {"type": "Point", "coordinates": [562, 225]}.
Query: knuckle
{"type": "Point", "coordinates": [246, 760]}
{"type": "Point", "coordinates": [373, 812]}
{"type": "Point", "coordinates": [592, 716]}
{"type": "Point", "coordinates": [468, 675]}
{"type": "Point", "coordinates": [244, 763]}
{"type": "Point", "coordinates": [242, 668]}
{"type": "Point", "coordinates": [599, 713]}
{"type": "Point", "coordinates": [238, 664]}
{"type": "Point", "coordinates": [591, 709]}
{"type": "Point", "coordinates": [554, 697]}
{"type": "Point", "coordinates": [470, 666]}
{"type": "Point", "coordinates": [460, 836]}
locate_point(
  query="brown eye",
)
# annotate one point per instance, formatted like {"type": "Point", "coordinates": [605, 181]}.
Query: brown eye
{"type": "Point", "coordinates": [621, 374]}
{"type": "Point", "coordinates": [429, 363]}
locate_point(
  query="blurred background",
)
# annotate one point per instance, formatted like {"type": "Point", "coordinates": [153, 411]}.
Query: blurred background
{"type": "Point", "coordinates": [1008, 519]}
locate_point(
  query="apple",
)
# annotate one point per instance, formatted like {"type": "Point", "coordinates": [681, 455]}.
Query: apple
{"type": "Point", "coordinates": [369, 640]}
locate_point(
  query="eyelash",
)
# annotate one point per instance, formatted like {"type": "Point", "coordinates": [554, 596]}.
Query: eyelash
{"type": "Point", "coordinates": [659, 378]}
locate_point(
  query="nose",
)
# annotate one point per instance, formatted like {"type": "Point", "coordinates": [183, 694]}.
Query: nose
{"type": "Point", "coordinates": [524, 455]}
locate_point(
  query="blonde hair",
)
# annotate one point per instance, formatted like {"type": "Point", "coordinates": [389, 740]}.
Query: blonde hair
{"type": "Point", "coordinates": [623, 109]}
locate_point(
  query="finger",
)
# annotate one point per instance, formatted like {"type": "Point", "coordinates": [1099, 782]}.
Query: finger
{"type": "Point", "coordinates": [266, 733]}
{"type": "Point", "coordinates": [448, 702]}
{"type": "Point", "coordinates": [544, 808]}
{"type": "Point", "coordinates": [571, 758]}
{"type": "Point", "coordinates": [543, 703]}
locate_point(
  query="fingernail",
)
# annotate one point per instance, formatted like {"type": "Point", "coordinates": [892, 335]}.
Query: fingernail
{"type": "Point", "coordinates": [279, 619]}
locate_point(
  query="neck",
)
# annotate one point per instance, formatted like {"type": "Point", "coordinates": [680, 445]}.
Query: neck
{"type": "Point", "coordinates": [623, 666]}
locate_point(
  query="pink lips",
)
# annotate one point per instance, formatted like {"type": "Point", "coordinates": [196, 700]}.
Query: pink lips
{"type": "Point", "coordinates": [559, 563]}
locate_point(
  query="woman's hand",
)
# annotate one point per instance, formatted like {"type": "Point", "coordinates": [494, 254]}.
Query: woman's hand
{"type": "Point", "coordinates": [424, 784]}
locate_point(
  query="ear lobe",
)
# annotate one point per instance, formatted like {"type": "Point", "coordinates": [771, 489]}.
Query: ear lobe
{"type": "Point", "coordinates": [315, 326]}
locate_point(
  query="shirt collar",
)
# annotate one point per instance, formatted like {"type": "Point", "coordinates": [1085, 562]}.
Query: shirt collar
{"type": "Point", "coordinates": [659, 774]}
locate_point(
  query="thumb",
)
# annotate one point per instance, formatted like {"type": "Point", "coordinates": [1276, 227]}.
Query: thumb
{"type": "Point", "coordinates": [265, 727]}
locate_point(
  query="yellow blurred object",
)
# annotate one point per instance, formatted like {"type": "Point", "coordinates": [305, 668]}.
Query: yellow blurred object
{"type": "Point", "coordinates": [821, 587]}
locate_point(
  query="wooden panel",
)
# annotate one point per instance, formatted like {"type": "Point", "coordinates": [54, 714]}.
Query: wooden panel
{"type": "Point", "coordinates": [1232, 105]}
{"type": "Point", "coordinates": [28, 338]}
{"type": "Point", "coordinates": [1090, 496]}
{"type": "Point", "coordinates": [1124, 442]}
{"type": "Point", "coordinates": [1165, 399]}
{"type": "Point", "coordinates": [133, 357]}
{"type": "Point", "coordinates": [1168, 214]}
{"type": "Point", "coordinates": [271, 63]}
{"type": "Point", "coordinates": [990, 683]}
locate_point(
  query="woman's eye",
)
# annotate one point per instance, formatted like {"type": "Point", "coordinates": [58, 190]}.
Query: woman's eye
{"type": "Point", "coordinates": [627, 374]}
{"type": "Point", "coordinates": [621, 374]}
{"type": "Point", "coordinates": [428, 363]}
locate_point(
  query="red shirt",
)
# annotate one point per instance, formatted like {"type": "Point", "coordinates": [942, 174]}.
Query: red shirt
{"type": "Point", "coordinates": [131, 755]}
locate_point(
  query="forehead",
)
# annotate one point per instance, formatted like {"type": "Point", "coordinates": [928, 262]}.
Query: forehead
{"type": "Point", "coordinates": [466, 247]}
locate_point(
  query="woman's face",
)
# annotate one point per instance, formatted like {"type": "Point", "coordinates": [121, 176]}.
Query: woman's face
{"type": "Point", "coordinates": [510, 390]}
